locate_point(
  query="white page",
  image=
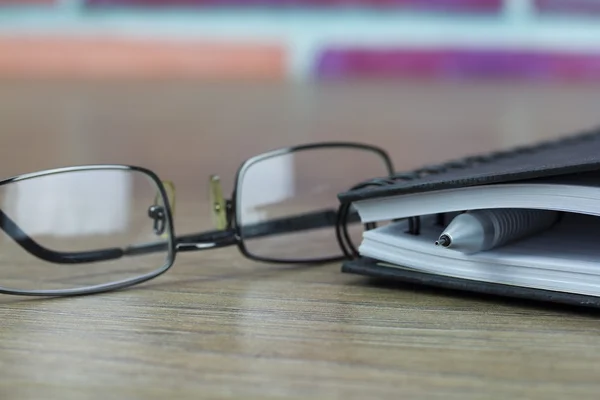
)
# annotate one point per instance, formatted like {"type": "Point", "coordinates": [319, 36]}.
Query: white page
{"type": "Point", "coordinates": [549, 196]}
{"type": "Point", "coordinates": [566, 258]}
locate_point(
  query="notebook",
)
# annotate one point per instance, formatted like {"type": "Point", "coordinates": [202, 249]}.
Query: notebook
{"type": "Point", "coordinates": [405, 215]}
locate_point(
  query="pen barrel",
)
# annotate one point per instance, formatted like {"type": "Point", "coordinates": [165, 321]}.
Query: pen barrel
{"type": "Point", "coordinates": [511, 224]}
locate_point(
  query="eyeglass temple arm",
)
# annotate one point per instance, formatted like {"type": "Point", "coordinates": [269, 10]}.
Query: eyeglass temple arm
{"type": "Point", "coordinates": [191, 242]}
{"type": "Point", "coordinates": [57, 257]}
{"type": "Point", "coordinates": [215, 239]}
{"type": "Point", "coordinates": [314, 220]}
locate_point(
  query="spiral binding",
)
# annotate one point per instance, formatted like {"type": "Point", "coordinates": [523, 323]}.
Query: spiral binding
{"type": "Point", "coordinates": [414, 223]}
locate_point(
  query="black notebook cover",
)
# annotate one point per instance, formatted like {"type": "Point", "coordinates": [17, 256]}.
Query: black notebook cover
{"type": "Point", "coordinates": [568, 155]}
{"type": "Point", "coordinates": [372, 268]}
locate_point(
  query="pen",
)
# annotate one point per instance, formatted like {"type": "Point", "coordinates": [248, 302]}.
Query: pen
{"type": "Point", "coordinates": [481, 230]}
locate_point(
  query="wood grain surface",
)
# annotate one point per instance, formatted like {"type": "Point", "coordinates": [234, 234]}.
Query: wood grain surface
{"type": "Point", "coordinates": [220, 326]}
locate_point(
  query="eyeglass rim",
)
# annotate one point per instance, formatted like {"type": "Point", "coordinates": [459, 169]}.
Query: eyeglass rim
{"type": "Point", "coordinates": [237, 193]}
{"type": "Point", "coordinates": [110, 286]}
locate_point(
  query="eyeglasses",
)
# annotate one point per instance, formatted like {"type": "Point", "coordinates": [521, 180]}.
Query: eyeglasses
{"type": "Point", "coordinates": [94, 228]}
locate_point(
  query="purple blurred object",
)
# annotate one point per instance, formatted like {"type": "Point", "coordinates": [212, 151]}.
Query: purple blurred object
{"type": "Point", "coordinates": [478, 6]}
{"type": "Point", "coordinates": [567, 7]}
{"type": "Point", "coordinates": [457, 64]}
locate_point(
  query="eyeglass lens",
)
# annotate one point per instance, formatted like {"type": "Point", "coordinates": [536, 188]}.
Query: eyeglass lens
{"type": "Point", "coordinates": [51, 222]}
{"type": "Point", "coordinates": [296, 193]}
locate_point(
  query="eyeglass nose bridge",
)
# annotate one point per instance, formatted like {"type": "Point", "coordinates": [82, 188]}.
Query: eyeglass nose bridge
{"type": "Point", "coordinates": [158, 215]}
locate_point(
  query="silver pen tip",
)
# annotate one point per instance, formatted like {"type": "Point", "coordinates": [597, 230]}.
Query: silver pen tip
{"type": "Point", "coordinates": [444, 240]}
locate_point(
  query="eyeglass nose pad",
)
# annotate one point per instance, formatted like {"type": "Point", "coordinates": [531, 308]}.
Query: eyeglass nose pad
{"type": "Point", "coordinates": [157, 214]}
{"type": "Point", "coordinates": [218, 205]}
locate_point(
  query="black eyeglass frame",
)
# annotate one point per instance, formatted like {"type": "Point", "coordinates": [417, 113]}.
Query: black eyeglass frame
{"type": "Point", "coordinates": [231, 235]}
{"type": "Point", "coordinates": [332, 215]}
{"type": "Point", "coordinates": [52, 256]}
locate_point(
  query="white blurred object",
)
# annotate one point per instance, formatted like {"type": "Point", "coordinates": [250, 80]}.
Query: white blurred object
{"type": "Point", "coordinates": [265, 183]}
{"type": "Point", "coordinates": [71, 204]}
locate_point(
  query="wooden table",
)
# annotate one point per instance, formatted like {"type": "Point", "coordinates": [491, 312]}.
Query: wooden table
{"type": "Point", "coordinates": [220, 326]}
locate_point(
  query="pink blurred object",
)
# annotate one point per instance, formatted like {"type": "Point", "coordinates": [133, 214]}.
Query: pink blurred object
{"type": "Point", "coordinates": [27, 2]}
{"type": "Point", "coordinates": [486, 6]}
{"type": "Point", "coordinates": [452, 64]}
{"type": "Point", "coordinates": [567, 7]}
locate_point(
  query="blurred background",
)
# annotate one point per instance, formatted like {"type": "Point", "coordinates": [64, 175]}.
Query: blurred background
{"type": "Point", "coordinates": [194, 87]}
{"type": "Point", "coordinates": [301, 39]}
